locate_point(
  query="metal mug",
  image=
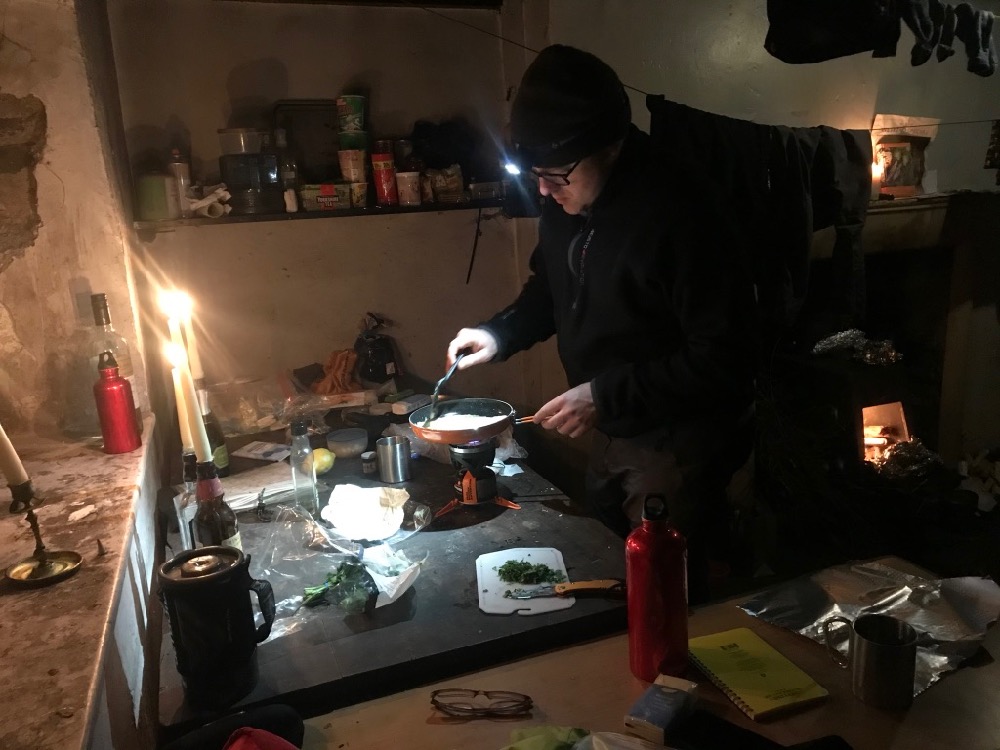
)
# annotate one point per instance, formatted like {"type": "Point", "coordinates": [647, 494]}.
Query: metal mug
{"type": "Point", "coordinates": [882, 655]}
{"type": "Point", "coordinates": [393, 458]}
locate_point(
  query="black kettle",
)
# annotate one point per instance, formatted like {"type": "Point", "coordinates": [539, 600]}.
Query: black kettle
{"type": "Point", "coordinates": [206, 594]}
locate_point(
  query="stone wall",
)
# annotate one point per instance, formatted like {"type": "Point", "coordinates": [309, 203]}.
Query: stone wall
{"type": "Point", "coordinates": [62, 233]}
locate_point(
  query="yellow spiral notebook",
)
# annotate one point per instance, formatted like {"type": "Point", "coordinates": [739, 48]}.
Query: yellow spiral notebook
{"type": "Point", "coordinates": [753, 674]}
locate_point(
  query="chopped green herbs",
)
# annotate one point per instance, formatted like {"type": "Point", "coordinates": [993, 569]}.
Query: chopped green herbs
{"type": "Point", "coordinates": [519, 571]}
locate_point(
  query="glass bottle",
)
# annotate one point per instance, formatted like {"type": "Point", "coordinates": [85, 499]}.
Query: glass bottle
{"type": "Point", "coordinates": [216, 438]}
{"type": "Point", "coordinates": [656, 582]}
{"type": "Point", "coordinates": [107, 339]}
{"type": "Point", "coordinates": [186, 504]}
{"type": "Point", "coordinates": [303, 468]}
{"type": "Point", "coordinates": [288, 170]}
{"type": "Point", "coordinates": [214, 521]}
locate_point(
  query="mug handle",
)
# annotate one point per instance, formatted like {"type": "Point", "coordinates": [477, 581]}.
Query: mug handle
{"type": "Point", "coordinates": [841, 660]}
{"type": "Point", "coordinates": [265, 598]}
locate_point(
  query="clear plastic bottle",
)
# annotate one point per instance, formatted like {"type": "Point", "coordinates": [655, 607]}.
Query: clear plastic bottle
{"type": "Point", "coordinates": [180, 170]}
{"type": "Point", "coordinates": [288, 171]}
{"type": "Point", "coordinates": [303, 468]}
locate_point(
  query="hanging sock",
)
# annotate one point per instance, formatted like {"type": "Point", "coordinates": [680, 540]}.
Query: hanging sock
{"type": "Point", "coordinates": [916, 14]}
{"type": "Point", "coordinates": [948, 20]}
{"type": "Point", "coordinates": [975, 29]}
{"type": "Point", "coordinates": [929, 34]}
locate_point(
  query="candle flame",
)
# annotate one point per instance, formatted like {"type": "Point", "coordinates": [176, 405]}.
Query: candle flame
{"type": "Point", "coordinates": [175, 354]}
{"type": "Point", "coordinates": [175, 303]}
{"type": "Point", "coordinates": [877, 169]}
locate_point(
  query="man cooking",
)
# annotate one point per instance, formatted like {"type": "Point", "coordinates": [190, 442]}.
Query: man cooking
{"type": "Point", "coordinates": [652, 306]}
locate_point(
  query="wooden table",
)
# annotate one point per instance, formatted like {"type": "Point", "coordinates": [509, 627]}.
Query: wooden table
{"type": "Point", "coordinates": [590, 686]}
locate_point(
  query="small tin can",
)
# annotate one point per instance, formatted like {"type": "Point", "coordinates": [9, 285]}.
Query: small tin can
{"type": "Point", "coordinates": [368, 463]}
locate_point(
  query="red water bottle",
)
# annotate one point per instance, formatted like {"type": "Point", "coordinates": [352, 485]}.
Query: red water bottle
{"type": "Point", "coordinates": [115, 408]}
{"type": "Point", "coordinates": [656, 581]}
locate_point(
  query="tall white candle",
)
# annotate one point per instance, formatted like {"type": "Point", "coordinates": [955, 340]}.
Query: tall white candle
{"type": "Point", "coordinates": [10, 463]}
{"type": "Point", "coordinates": [194, 358]}
{"type": "Point", "coordinates": [202, 448]}
{"type": "Point", "coordinates": [187, 442]}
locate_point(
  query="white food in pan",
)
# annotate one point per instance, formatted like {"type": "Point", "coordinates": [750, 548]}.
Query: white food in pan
{"type": "Point", "coordinates": [462, 422]}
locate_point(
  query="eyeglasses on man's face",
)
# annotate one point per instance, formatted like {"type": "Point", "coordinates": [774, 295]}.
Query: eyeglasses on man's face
{"type": "Point", "coordinates": [558, 177]}
{"type": "Point", "coordinates": [480, 703]}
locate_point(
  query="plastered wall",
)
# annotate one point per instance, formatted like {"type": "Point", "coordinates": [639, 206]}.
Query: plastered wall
{"type": "Point", "coordinates": [79, 248]}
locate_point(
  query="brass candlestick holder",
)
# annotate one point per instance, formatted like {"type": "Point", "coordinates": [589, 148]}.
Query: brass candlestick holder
{"type": "Point", "coordinates": [43, 568]}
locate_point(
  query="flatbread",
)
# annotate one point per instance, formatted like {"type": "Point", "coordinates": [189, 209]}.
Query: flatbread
{"type": "Point", "coordinates": [372, 513]}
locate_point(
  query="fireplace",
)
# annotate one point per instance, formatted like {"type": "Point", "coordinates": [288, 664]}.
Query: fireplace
{"type": "Point", "coordinates": [827, 424]}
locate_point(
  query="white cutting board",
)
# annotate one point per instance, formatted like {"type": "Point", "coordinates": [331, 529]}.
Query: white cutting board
{"type": "Point", "coordinates": [491, 588]}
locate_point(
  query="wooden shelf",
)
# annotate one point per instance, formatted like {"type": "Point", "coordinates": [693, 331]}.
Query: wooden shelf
{"type": "Point", "coordinates": [168, 225]}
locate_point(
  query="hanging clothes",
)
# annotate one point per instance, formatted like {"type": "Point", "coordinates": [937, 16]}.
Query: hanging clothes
{"type": "Point", "coordinates": [810, 31]}
{"type": "Point", "coordinates": [781, 184]}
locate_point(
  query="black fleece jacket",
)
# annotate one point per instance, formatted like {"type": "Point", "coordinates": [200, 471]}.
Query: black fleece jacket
{"type": "Point", "coordinates": [649, 295]}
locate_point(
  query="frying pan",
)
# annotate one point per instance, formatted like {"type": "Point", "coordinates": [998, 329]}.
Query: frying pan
{"type": "Point", "coordinates": [477, 407]}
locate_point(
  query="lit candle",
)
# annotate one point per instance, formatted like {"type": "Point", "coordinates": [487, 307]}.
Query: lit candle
{"type": "Point", "coordinates": [202, 448]}
{"type": "Point", "coordinates": [187, 442]}
{"type": "Point", "coordinates": [194, 358]}
{"type": "Point", "coordinates": [10, 464]}
{"type": "Point", "coordinates": [877, 170]}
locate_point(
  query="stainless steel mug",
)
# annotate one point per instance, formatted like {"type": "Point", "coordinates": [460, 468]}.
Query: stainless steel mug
{"type": "Point", "coordinates": [882, 656]}
{"type": "Point", "coordinates": [393, 458]}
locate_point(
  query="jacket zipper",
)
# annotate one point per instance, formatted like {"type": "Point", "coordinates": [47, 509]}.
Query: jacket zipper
{"type": "Point", "coordinates": [583, 260]}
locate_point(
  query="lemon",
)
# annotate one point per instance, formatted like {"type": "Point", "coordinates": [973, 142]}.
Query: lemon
{"type": "Point", "coordinates": [323, 459]}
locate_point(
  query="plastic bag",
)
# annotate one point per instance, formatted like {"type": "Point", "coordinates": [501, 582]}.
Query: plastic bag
{"type": "Point", "coordinates": [613, 741]}
{"type": "Point", "coordinates": [300, 553]}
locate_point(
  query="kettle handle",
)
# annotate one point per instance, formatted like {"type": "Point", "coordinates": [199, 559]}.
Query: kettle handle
{"type": "Point", "coordinates": [265, 598]}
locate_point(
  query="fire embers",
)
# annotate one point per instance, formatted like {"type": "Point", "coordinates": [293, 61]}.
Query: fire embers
{"type": "Point", "coordinates": [888, 445]}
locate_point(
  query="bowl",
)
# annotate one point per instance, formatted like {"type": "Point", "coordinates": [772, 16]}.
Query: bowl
{"type": "Point", "coordinates": [240, 140]}
{"type": "Point", "coordinates": [348, 443]}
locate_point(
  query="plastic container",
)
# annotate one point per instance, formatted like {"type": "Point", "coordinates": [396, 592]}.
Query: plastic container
{"type": "Point", "coordinates": [348, 443]}
{"type": "Point", "coordinates": [656, 581]}
{"type": "Point", "coordinates": [240, 140]}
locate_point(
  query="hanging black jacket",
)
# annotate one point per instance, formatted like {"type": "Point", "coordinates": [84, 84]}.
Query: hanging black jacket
{"type": "Point", "coordinates": [647, 295]}
{"type": "Point", "coordinates": [780, 185]}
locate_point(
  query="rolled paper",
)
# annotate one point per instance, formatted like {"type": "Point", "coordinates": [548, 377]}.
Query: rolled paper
{"type": "Point", "coordinates": [187, 442]}
{"type": "Point", "coordinates": [10, 463]}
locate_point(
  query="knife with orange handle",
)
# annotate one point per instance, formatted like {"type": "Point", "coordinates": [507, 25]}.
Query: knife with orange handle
{"type": "Point", "coordinates": [599, 587]}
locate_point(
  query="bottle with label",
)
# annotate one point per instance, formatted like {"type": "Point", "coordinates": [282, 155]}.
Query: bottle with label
{"type": "Point", "coordinates": [288, 170]}
{"type": "Point", "coordinates": [303, 468]}
{"type": "Point", "coordinates": [216, 438]}
{"type": "Point", "coordinates": [214, 521]}
{"type": "Point", "coordinates": [656, 582]}
{"type": "Point", "coordinates": [180, 170]}
{"type": "Point", "coordinates": [115, 408]}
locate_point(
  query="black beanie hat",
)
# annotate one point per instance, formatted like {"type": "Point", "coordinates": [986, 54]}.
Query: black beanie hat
{"type": "Point", "coordinates": [570, 105]}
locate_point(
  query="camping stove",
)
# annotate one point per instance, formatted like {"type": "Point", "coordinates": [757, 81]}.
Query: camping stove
{"type": "Point", "coordinates": [476, 482]}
